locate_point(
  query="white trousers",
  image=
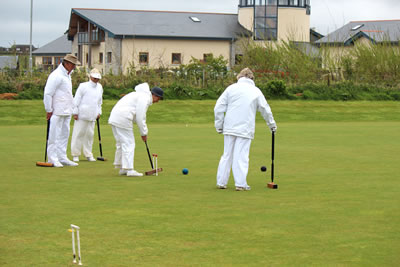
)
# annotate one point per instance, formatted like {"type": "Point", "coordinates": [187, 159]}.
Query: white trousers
{"type": "Point", "coordinates": [236, 156]}
{"type": "Point", "coordinates": [82, 138]}
{"type": "Point", "coordinates": [58, 138]}
{"type": "Point", "coordinates": [125, 148]}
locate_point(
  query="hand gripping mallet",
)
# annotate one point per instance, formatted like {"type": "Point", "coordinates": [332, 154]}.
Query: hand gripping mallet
{"type": "Point", "coordinates": [45, 163]}
{"type": "Point", "coordinates": [101, 150]}
{"type": "Point", "coordinates": [153, 171]}
{"type": "Point", "coordinates": [271, 185]}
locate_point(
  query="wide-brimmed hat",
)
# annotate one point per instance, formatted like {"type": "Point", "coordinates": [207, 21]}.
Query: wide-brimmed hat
{"type": "Point", "coordinates": [158, 92]}
{"type": "Point", "coordinates": [95, 73]}
{"type": "Point", "coordinates": [72, 59]}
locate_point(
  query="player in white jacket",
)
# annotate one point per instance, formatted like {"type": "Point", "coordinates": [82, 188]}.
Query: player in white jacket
{"type": "Point", "coordinates": [235, 114]}
{"type": "Point", "coordinates": [87, 108]}
{"type": "Point", "coordinates": [58, 103]}
{"type": "Point", "coordinates": [131, 109]}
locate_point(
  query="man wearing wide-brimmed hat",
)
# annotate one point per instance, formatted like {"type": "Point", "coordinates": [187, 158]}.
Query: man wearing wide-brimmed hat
{"type": "Point", "coordinates": [58, 103]}
{"type": "Point", "coordinates": [87, 108]}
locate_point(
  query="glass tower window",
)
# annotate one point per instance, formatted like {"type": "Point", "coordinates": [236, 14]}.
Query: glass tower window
{"type": "Point", "coordinates": [266, 20]}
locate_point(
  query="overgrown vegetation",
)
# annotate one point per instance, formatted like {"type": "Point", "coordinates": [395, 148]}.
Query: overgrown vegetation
{"type": "Point", "coordinates": [283, 71]}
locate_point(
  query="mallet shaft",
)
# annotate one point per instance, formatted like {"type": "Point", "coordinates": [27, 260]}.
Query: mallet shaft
{"type": "Point", "coordinates": [272, 156]}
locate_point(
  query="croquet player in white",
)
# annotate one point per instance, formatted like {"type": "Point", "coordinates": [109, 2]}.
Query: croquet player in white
{"type": "Point", "coordinates": [87, 108]}
{"type": "Point", "coordinates": [58, 103]}
{"type": "Point", "coordinates": [235, 113]}
{"type": "Point", "coordinates": [131, 109]}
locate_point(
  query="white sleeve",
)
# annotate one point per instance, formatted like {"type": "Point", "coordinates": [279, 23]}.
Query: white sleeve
{"type": "Point", "coordinates": [265, 111]}
{"type": "Point", "coordinates": [100, 102]}
{"type": "Point", "coordinates": [219, 111]}
{"type": "Point", "coordinates": [77, 99]}
{"type": "Point", "coordinates": [141, 110]}
{"type": "Point", "coordinates": [49, 91]}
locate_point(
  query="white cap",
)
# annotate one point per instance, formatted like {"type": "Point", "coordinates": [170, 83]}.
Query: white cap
{"type": "Point", "coordinates": [95, 73]}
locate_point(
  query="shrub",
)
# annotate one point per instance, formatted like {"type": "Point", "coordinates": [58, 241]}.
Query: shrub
{"type": "Point", "coordinates": [274, 89]}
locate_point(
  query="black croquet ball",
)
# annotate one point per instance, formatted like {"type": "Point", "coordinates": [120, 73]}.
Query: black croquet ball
{"type": "Point", "coordinates": [263, 169]}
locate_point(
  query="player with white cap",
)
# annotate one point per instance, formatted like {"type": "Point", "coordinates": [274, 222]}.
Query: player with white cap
{"type": "Point", "coordinates": [87, 108]}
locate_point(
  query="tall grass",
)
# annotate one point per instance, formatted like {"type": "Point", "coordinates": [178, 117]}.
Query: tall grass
{"type": "Point", "coordinates": [284, 70]}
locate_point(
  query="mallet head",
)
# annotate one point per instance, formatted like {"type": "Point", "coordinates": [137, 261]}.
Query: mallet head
{"type": "Point", "coordinates": [272, 185]}
{"type": "Point", "coordinates": [101, 159]}
{"type": "Point", "coordinates": [44, 164]}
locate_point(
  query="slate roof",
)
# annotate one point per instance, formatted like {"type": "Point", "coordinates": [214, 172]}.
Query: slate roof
{"type": "Point", "coordinates": [376, 31]}
{"type": "Point", "coordinates": [8, 61]}
{"type": "Point", "coordinates": [60, 46]}
{"type": "Point", "coordinates": [161, 24]}
{"type": "Point", "coordinates": [308, 49]}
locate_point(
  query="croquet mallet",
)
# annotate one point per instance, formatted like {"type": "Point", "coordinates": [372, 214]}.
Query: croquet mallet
{"type": "Point", "coordinates": [101, 150]}
{"type": "Point", "coordinates": [45, 163]}
{"type": "Point", "coordinates": [153, 171]}
{"type": "Point", "coordinates": [272, 185]}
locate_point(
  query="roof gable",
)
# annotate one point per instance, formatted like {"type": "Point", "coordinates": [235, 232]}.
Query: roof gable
{"type": "Point", "coordinates": [162, 24]}
{"type": "Point", "coordinates": [59, 46]}
{"type": "Point", "coordinates": [376, 31]}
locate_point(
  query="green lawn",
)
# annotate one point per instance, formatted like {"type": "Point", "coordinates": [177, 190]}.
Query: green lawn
{"type": "Point", "coordinates": [338, 202]}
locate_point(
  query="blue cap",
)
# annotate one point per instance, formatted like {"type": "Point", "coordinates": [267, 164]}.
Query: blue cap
{"type": "Point", "coordinates": [158, 92]}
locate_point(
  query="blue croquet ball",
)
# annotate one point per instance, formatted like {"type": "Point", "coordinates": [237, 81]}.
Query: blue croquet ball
{"type": "Point", "coordinates": [185, 171]}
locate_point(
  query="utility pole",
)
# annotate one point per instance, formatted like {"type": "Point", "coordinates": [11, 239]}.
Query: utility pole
{"type": "Point", "coordinates": [30, 44]}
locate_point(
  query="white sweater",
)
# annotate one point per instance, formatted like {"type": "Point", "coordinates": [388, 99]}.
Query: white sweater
{"type": "Point", "coordinates": [58, 92]}
{"type": "Point", "coordinates": [235, 110]}
{"type": "Point", "coordinates": [132, 108]}
{"type": "Point", "coordinates": [88, 100]}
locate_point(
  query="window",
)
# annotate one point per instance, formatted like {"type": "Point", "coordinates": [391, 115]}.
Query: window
{"type": "Point", "coordinates": [266, 21]}
{"type": "Point", "coordinates": [207, 57]}
{"type": "Point", "coordinates": [101, 58]}
{"type": "Point", "coordinates": [143, 58]}
{"type": "Point", "coordinates": [46, 60]}
{"type": "Point", "coordinates": [357, 27]}
{"type": "Point", "coordinates": [80, 53]}
{"type": "Point", "coordinates": [176, 58]}
{"type": "Point", "coordinates": [87, 58]}
{"type": "Point", "coordinates": [283, 2]}
{"type": "Point", "coordinates": [246, 2]}
{"type": "Point", "coordinates": [238, 59]}
{"type": "Point", "coordinates": [109, 57]}
{"type": "Point", "coordinates": [195, 19]}
{"type": "Point", "coordinates": [57, 60]}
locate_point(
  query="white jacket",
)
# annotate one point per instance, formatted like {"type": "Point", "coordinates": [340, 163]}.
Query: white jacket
{"type": "Point", "coordinates": [235, 110]}
{"type": "Point", "coordinates": [88, 100]}
{"type": "Point", "coordinates": [58, 92]}
{"type": "Point", "coordinates": [132, 108]}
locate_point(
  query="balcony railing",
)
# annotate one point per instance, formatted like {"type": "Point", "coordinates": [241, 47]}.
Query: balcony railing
{"type": "Point", "coordinates": [96, 37]}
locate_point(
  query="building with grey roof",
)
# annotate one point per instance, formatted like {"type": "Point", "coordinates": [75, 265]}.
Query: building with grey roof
{"type": "Point", "coordinates": [123, 40]}
{"type": "Point", "coordinates": [376, 31]}
{"type": "Point", "coordinates": [50, 55]}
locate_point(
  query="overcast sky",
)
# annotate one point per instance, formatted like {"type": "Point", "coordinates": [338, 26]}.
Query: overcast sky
{"type": "Point", "coordinates": [51, 17]}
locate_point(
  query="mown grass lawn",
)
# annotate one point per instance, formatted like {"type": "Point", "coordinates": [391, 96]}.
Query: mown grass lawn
{"type": "Point", "coordinates": [338, 202]}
